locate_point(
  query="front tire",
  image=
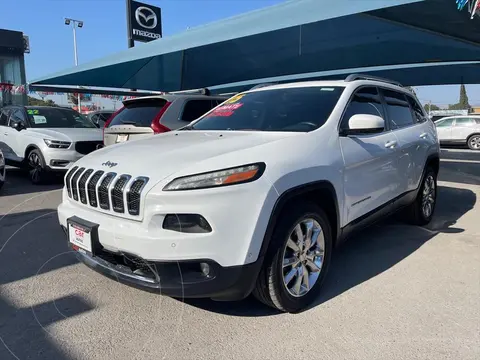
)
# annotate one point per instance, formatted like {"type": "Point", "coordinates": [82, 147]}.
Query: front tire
{"type": "Point", "coordinates": [473, 142]}
{"type": "Point", "coordinates": [420, 212]}
{"type": "Point", "coordinates": [297, 260]}
{"type": "Point", "coordinates": [36, 166]}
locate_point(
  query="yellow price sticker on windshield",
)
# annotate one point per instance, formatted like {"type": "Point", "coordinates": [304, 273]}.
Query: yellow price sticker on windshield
{"type": "Point", "coordinates": [234, 99]}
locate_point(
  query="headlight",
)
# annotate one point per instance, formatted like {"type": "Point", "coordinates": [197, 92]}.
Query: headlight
{"type": "Point", "coordinates": [57, 144]}
{"type": "Point", "coordinates": [231, 176]}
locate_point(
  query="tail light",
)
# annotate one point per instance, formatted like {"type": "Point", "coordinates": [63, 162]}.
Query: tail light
{"type": "Point", "coordinates": [109, 120]}
{"type": "Point", "coordinates": [156, 126]}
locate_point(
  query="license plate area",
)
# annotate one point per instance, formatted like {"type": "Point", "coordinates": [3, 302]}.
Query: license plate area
{"type": "Point", "coordinates": [83, 235]}
{"type": "Point", "coordinates": [122, 138]}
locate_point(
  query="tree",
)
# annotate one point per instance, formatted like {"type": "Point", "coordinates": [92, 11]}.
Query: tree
{"type": "Point", "coordinates": [431, 107]}
{"type": "Point", "coordinates": [462, 101]}
{"type": "Point", "coordinates": [39, 102]}
{"type": "Point", "coordinates": [463, 98]}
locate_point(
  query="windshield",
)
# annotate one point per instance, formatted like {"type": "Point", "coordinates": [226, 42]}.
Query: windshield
{"type": "Point", "coordinates": [138, 113]}
{"type": "Point", "coordinates": [300, 109]}
{"type": "Point", "coordinates": [57, 118]}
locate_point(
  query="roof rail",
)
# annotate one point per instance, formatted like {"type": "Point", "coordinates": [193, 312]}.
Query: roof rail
{"type": "Point", "coordinates": [354, 77]}
{"type": "Point", "coordinates": [262, 85]}
{"type": "Point", "coordinates": [201, 91]}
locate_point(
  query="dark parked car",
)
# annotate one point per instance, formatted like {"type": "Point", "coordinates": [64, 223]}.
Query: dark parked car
{"type": "Point", "coordinates": [99, 118]}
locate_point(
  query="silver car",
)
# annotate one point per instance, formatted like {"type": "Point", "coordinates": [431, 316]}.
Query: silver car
{"type": "Point", "coordinates": [459, 130]}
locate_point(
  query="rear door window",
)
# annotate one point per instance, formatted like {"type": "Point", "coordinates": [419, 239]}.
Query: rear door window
{"type": "Point", "coordinates": [193, 109]}
{"type": "Point", "coordinates": [464, 122]}
{"type": "Point", "coordinates": [139, 113]}
{"type": "Point", "coordinates": [420, 117]}
{"type": "Point", "coordinates": [398, 109]}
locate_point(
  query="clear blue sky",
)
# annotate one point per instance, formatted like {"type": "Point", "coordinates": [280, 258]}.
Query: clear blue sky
{"type": "Point", "coordinates": [105, 32]}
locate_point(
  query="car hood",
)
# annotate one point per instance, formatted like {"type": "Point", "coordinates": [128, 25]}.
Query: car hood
{"type": "Point", "coordinates": [159, 156]}
{"type": "Point", "coordinates": [68, 134]}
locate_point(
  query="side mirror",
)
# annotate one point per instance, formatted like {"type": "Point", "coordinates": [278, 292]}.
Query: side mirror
{"type": "Point", "coordinates": [360, 124]}
{"type": "Point", "coordinates": [19, 126]}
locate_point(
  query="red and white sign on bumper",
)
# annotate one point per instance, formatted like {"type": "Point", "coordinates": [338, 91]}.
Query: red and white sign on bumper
{"type": "Point", "coordinates": [80, 238]}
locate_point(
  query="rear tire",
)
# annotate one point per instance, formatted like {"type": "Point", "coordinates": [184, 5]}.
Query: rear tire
{"type": "Point", "coordinates": [297, 259]}
{"type": "Point", "coordinates": [473, 142]}
{"type": "Point", "coordinates": [420, 212]}
{"type": "Point", "coordinates": [36, 167]}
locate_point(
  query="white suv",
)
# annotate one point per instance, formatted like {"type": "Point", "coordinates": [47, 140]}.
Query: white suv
{"type": "Point", "coordinates": [46, 139]}
{"type": "Point", "coordinates": [254, 195]}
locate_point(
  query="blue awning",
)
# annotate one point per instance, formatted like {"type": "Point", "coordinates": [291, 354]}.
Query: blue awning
{"type": "Point", "coordinates": [297, 37]}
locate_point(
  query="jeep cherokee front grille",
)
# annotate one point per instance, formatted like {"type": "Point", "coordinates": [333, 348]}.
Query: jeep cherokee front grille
{"type": "Point", "coordinates": [109, 191]}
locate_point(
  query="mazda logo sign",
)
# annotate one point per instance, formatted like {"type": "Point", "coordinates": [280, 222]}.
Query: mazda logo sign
{"type": "Point", "coordinates": [144, 15]}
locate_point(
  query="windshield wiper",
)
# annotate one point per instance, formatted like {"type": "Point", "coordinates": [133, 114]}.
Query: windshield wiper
{"type": "Point", "coordinates": [129, 122]}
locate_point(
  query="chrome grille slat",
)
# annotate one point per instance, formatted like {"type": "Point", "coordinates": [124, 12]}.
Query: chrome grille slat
{"type": "Point", "coordinates": [108, 191]}
{"type": "Point", "coordinates": [82, 188]}
{"type": "Point", "coordinates": [116, 193]}
{"type": "Point", "coordinates": [92, 188]}
{"type": "Point", "coordinates": [134, 194]}
{"type": "Point", "coordinates": [75, 183]}
{"type": "Point", "coordinates": [68, 179]}
{"type": "Point", "coordinates": [104, 191]}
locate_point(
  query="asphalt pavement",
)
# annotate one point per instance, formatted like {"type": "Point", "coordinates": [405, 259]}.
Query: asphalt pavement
{"type": "Point", "coordinates": [393, 292]}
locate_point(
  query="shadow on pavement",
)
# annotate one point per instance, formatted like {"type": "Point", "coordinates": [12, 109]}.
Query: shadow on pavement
{"type": "Point", "coordinates": [369, 253]}
{"type": "Point", "coordinates": [18, 182]}
{"type": "Point", "coordinates": [32, 243]}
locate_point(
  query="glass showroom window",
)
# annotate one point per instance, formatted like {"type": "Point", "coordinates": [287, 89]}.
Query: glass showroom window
{"type": "Point", "coordinates": [10, 73]}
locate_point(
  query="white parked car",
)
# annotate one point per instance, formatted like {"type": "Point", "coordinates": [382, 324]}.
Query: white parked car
{"type": "Point", "coordinates": [254, 195]}
{"type": "Point", "coordinates": [45, 139]}
{"type": "Point", "coordinates": [459, 130]}
{"type": "Point", "coordinates": [2, 170]}
{"type": "Point", "coordinates": [146, 116]}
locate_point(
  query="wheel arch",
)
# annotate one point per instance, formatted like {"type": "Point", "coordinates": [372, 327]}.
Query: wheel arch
{"type": "Point", "coordinates": [433, 160]}
{"type": "Point", "coordinates": [321, 193]}
{"type": "Point", "coordinates": [476, 133]}
{"type": "Point", "coordinates": [29, 148]}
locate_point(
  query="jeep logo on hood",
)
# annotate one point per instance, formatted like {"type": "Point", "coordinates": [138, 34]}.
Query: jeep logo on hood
{"type": "Point", "coordinates": [109, 164]}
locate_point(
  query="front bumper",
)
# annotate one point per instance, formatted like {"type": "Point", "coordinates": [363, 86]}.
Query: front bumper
{"type": "Point", "coordinates": [178, 279]}
{"type": "Point", "coordinates": [60, 159]}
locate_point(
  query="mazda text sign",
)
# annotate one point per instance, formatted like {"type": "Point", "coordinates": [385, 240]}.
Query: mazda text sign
{"type": "Point", "coordinates": [146, 21]}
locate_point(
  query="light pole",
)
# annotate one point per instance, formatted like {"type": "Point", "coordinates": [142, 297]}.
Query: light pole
{"type": "Point", "coordinates": [75, 24]}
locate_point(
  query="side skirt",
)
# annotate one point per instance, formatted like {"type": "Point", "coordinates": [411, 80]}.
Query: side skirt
{"type": "Point", "coordinates": [376, 215]}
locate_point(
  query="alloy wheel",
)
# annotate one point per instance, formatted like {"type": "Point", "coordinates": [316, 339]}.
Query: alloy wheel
{"type": "Point", "coordinates": [303, 257]}
{"type": "Point", "coordinates": [474, 142]}
{"type": "Point", "coordinates": [35, 166]}
{"type": "Point", "coordinates": [428, 196]}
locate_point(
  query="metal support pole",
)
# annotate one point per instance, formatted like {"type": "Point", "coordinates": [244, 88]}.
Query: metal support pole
{"type": "Point", "coordinates": [130, 41]}
{"type": "Point", "coordinates": [76, 61]}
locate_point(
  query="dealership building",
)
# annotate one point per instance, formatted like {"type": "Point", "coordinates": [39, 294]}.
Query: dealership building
{"type": "Point", "coordinates": [12, 66]}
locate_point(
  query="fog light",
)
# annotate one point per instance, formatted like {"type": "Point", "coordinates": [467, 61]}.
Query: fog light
{"type": "Point", "coordinates": [186, 223]}
{"type": "Point", "coordinates": [205, 269]}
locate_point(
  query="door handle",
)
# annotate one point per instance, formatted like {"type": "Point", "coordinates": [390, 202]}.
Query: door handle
{"type": "Point", "coordinates": [423, 135]}
{"type": "Point", "coordinates": [391, 144]}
